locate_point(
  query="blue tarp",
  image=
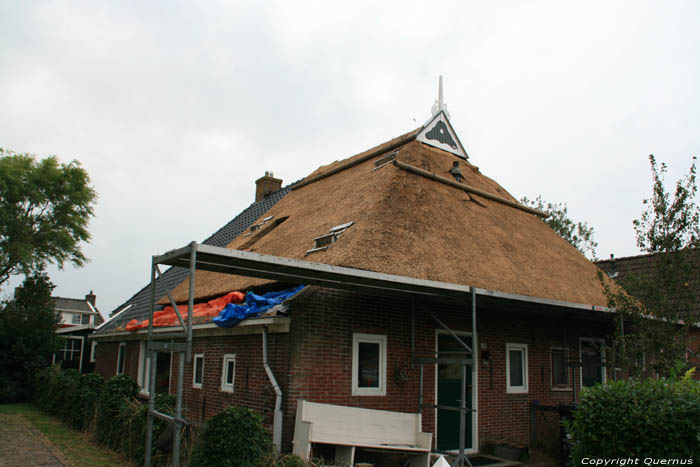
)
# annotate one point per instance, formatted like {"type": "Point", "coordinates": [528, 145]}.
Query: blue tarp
{"type": "Point", "coordinates": [254, 304]}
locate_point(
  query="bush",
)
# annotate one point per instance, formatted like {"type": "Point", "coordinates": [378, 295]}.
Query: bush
{"type": "Point", "coordinates": [658, 419]}
{"type": "Point", "coordinates": [134, 420]}
{"type": "Point", "coordinates": [115, 395]}
{"type": "Point", "coordinates": [235, 437]}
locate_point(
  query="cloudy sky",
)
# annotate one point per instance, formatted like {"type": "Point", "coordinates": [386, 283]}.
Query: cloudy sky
{"type": "Point", "coordinates": [175, 108]}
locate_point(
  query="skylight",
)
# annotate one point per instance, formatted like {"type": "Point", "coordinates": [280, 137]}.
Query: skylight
{"type": "Point", "coordinates": [324, 242]}
{"type": "Point", "coordinates": [384, 160]}
{"type": "Point", "coordinates": [257, 226]}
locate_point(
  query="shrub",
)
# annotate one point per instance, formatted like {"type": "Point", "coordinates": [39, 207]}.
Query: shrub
{"type": "Point", "coordinates": [115, 395]}
{"type": "Point", "coordinates": [86, 399]}
{"type": "Point", "coordinates": [659, 419]}
{"type": "Point", "coordinates": [235, 437]}
{"type": "Point", "coordinates": [134, 418]}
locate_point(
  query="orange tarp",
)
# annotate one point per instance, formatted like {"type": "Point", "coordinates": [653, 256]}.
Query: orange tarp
{"type": "Point", "coordinates": [167, 316]}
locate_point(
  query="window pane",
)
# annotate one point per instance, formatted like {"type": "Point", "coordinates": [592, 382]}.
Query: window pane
{"type": "Point", "coordinates": [368, 365]}
{"type": "Point", "coordinates": [75, 318]}
{"type": "Point", "coordinates": [120, 360]}
{"type": "Point", "coordinates": [198, 364]}
{"type": "Point", "coordinates": [85, 319]}
{"type": "Point", "coordinates": [516, 367]}
{"type": "Point", "coordinates": [560, 375]}
{"type": "Point", "coordinates": [229, 372]}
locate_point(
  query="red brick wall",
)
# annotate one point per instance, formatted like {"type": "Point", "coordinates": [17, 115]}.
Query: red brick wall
{"type": "Point", "coordinates": [251, 384]}
{"type": "Point", "coordinates": [323, 322]}
{"type": "Point", "coordinates": [106, 359]}
{"type": "Point", "coordinates": [314, 361]}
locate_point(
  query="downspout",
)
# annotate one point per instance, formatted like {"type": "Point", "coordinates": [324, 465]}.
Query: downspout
{"type": "Point", "coordinates": [277, 423]}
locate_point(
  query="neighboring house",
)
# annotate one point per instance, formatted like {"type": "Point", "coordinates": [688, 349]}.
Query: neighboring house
{"type": "Point", "coordinates": [417, 228]}
{"type": "Point", "coordinates": [78, 319]}
{"type": "Point", "coordinates": [643, 266]}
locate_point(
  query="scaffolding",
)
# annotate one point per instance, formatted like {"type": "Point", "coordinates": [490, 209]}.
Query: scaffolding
{"type": "Point", "coordinates": [223, 260]}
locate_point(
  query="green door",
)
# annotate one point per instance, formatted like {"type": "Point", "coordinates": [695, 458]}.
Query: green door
{"type": "Point", "coordinates": [449, 386]}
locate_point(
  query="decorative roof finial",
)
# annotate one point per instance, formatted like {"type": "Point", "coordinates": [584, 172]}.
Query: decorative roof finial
{"type": "Point", "coordinates": [440, 102]}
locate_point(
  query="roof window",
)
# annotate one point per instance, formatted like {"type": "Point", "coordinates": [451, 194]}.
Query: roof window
{"type": "Point", "coordinates": [384, 160]}
{"type": "Point", "coordinates": [256, 227]}
{"type": "Point", "coordinates": [324, 242]}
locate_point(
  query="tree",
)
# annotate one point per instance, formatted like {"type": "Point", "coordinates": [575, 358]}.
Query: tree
{"type": "Point", "coordinates": [579, 234]}
{"type": "Point", "coordinates": [45, 207]}
{"type": "Point", "coordinates": [656, 306]}
{"type": "Point", "coordinates": [27, 336]}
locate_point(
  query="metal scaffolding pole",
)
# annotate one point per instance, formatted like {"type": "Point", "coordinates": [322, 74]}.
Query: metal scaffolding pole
{"type": "Point", "coordinates": [184, 353]}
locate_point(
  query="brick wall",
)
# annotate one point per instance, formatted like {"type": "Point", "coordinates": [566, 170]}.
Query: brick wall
{"type": "Point", "coordinates": [314, 361]}
{"type": "Point", "coordinates": [106, 359]}
{"type": "Point", "coordinates": [251, 385]}
{"type": "Point", "coordinates": [320, 369]}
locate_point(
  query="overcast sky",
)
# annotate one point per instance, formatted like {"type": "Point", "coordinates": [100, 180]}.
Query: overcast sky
{"type": "Point", "coordinates": [175, 108]}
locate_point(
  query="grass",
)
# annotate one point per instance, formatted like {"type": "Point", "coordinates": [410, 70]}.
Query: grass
{"type": "Point", "coordinates": [75, 445]}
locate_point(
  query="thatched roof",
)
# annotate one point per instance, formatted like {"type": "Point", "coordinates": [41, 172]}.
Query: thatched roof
{"type": "Point", "coordinates": [410, 225]}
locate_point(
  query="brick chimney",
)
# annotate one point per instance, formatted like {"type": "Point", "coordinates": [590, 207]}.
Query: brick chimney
{"type": "Point", "coordinates": [91, 297]}
{"type": "Point", "coordinates": [265, 185]}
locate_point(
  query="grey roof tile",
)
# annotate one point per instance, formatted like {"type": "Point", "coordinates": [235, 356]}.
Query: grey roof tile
{"type": "Point", "coordinates": [141, 300]}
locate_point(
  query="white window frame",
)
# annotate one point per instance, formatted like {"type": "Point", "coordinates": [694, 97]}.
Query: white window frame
{"type": "Point", "coordinates": [122, 353]}
{"type": "Point", "coordinates": [358, 338]}
{"type": "Point", "coordinates": [194, 371]}
{"type": "Point", "coordinates": [516, 389]}
{"type": "Point", "coordinates": [93, 351]}
{"type": "Point", "coordinates": [144, 375]}
{"type": "Point", "coordinates": [74, 316]}
{"type": "Point", "coordinates": [601, 343]}
{"type": "Point", "coordinates": [226, 387]}
{"type": "Point", "coordinates": [551, 369]}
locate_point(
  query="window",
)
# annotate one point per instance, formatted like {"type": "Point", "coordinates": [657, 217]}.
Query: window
{"type": "Point", "coordinates": [560, 368]}
{"type": "Point", "coordinates": [75, 318]}
{"type": "Point", "coordinates": [120, 358]}
{"type": "Point", "coordinates": [516, 368]}
{"type": "Point", "coordinates": [592, 353]}
{"type": "Point", "coordinates": [85, 319]}
{"type": "Point", "coordinates": [71, 349]}
{"type": "Point", "coordinates": [93, 351]}
{"type": "Point", "coordinates": [368, 365]}
{"type": "Point", "coordinates": [228, 372]}
{"type": "Point", "coordinates": [198, 371]}
{"type": "Point", "coordinates": [144, 375]}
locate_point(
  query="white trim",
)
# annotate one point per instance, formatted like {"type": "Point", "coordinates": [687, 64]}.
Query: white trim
{"type": "Point", "coordinates": [381, 340]}
{"type": "Point", "coordinates": [595, 340]}
{"type": "Point", "coordinates": [551, 369]}
{"type": "Point", "coordinates": [143, 377]}
{"type": "Point", "coordinates": [122, 345]}
{"type": "Point", "coordinates": [93, 351]}
{"type": "Point", "coordinates": [114, 316]}
{"type": "Point", "coordinates": [475, 392]}
{"type": "Point", "coordinates": [523, 349]}
{"type": "Point", "coordinates": [194, 370]}
{"type": "Point", "coordinates": [226, 387]}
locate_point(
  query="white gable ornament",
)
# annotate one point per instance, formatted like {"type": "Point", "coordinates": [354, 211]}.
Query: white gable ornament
{"type": "Point", "coordinates": [438, 132]}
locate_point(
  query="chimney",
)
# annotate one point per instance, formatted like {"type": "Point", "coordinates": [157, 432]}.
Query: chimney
{"type": "Point", "coordinates": [91, 297]}
{"type": "Point", "coordinates": [265, 185]}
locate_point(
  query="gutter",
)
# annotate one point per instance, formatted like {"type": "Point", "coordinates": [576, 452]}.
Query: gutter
{"type": "Point", "coordinates": [277, 423]}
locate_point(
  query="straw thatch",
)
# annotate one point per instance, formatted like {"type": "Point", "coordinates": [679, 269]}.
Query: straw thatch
{"type": "Point", "coordinates": [409, 225]}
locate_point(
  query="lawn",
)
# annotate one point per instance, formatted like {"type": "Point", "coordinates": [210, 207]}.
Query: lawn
{"type": "Point", "coordinates": [75, 445]}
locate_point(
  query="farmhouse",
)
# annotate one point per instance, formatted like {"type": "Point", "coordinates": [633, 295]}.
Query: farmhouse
{"type": "Point", "coordinates": [425, 280]}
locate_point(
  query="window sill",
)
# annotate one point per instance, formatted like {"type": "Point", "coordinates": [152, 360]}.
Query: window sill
{"type": "Point", "coordinates": [561, 389]}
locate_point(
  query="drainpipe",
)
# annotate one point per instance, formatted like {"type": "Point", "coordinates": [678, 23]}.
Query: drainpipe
{"type": "Point", "coordinates": [277, 423]}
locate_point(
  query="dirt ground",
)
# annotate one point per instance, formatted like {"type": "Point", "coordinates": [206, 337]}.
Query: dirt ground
{"type": "Point", "coordinates": [23, 445]}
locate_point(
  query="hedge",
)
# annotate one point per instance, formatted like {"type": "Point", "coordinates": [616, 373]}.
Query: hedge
{"type": "Point", "coordinates": [638, 419]}
{"type": "Point", "coordinates": [107, 410]}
